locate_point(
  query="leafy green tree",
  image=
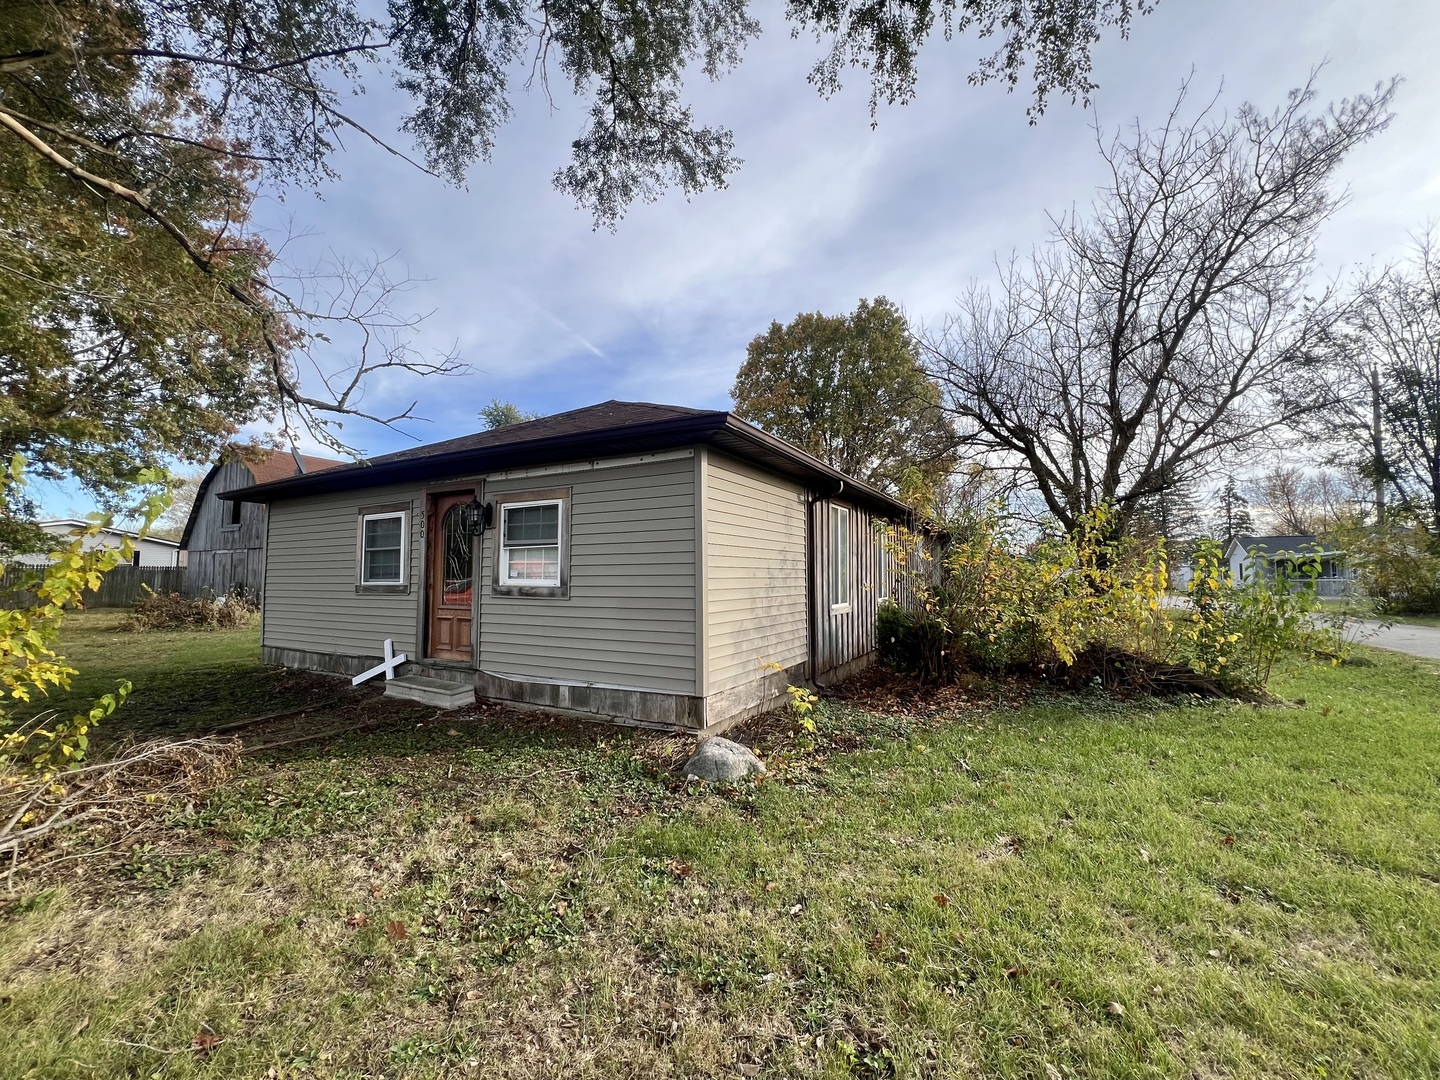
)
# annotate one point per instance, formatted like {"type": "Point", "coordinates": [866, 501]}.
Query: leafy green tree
{"type": "Point", "coordinates": [850, 390]}
{"type": "Point", "coordinates": [270, 77]}
{"type": "Point", "coordinates": [500, 414]}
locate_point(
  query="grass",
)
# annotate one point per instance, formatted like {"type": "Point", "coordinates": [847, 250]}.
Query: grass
{"type": "Point", "coordinates": [1364, 609]}
{"type": "Point", "coordinates": [1066, 887]}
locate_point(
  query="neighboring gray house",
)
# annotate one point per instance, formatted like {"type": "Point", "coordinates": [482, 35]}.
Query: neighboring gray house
{"type": "Point", "coordinates": [149, 550]}
{"type": "Point", "coordinates": [645, 563]}
{"type": "Point", "coordinates": [223, 545]}
{"type": "Point", "coordinates": [1247, 553]}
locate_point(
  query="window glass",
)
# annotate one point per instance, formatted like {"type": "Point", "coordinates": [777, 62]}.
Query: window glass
{"type": "Point", "coordinates": [839, 556]}
{"type": "Point", "coordinates": [539, 524]}
{"type": "Point", "coordinates": [383, 544]}
{"type": "Point", "coordinates": [459, 559]}
{"type": "Point", "coordinates": [530, 544]}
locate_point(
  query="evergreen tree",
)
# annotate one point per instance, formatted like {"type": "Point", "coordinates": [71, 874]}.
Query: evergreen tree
{"type": "Point", "coordinates": [1232, 512]}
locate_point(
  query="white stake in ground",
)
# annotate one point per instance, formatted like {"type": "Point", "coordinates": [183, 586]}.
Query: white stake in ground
{"type": "Point", "coordinates": [388, 666]}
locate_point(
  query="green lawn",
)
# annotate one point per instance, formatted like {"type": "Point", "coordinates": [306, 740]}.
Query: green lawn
{"type": "Point", "coordinates": [1068, 887]}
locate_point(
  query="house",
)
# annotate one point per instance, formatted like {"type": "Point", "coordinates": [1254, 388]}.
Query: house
{"type": "Point", "coordinates": [149, 550]}
{"type": "Point", "coordinates": [223, 545]}
{"type": "Point", "coordinates": [1248, 555]}
{"type": "Point", "coordinates": [645, 563]}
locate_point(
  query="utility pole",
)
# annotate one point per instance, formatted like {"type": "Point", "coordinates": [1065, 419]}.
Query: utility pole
{"type": "Point", "coordinates": [1377, 444]}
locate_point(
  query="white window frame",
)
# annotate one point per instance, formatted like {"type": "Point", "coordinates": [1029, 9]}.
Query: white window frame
{"type": "Point", "coordinates": [404, 516]}
{"type": "Point", "coordinates": [840, 568]}
{"type": "Point", "coordinates": [504, 577]}
{"type": "Point", "coordinates": [884, 560]}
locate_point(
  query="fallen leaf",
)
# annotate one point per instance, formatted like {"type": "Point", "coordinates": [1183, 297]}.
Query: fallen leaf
{"type": "Point", "coordinates": [681, 869]}
{"type": "Point", "coordinates": [357, 920]}
{"type": "Point", "coordinates": [395, 930]}
{"type": "Point", "coordinates": [451, 731]}
{"type": "Point", "coordinates": [795, 909]}
{"type": "Point", "coordinates": [942, 900]}
{"type": "Point", "coordinates": [1115, 1009]}
{"type": "Point", "coordinates": [81, 1026]}
{"type": "Point", "coordinates": [770, 886]}
{"type": "Point", "coordinates": [561, 907]}
{"type": "Point", "coordinates": [1144, 855]}
{"type": "Point", "coordinates": [204, 1041]}
{"type": "Point", "coordinates": [1229, 840]}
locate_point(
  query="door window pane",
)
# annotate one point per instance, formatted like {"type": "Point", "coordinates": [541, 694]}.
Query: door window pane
{"type": "Point", "coordinates": [459, 555]}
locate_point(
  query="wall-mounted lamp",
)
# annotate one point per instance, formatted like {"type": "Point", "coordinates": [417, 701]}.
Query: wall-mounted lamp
{"type": "Point", "coordinates": [478, 516]}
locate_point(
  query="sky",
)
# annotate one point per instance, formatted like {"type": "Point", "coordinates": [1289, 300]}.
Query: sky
{"type": "Point", "coordinates": [551, 314]}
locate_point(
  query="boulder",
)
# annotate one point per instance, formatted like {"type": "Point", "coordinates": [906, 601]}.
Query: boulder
{"type": "Point", "coordinates": [722, 761]}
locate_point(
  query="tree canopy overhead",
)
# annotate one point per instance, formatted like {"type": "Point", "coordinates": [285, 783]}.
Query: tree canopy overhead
{"type": "Point", "coordinates": [143, 316]}
{"type": "Point", "coordinates": [849, 389]}
{"type": "Point", "coordinates": [267, 80]}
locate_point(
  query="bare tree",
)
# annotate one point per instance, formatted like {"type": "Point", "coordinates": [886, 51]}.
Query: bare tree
{"type": "Point", "coordinates": [1304, 502]}
{"type": "Point", "coordinates": [1392, 407]}
{"type": "Point", "coordinates": [1170, 325]}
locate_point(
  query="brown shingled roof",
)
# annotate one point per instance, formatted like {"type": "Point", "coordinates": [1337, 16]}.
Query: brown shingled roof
{"type": "Point", "coordinates": [608, 429]}
{"type": "Point", "coordinates": [280, 464]}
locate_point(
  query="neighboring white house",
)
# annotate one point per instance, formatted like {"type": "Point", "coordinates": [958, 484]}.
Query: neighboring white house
{"type": "Point", "coordinates": [149, 550]}
{"type": "Point", "coordinates": [1265, 553]}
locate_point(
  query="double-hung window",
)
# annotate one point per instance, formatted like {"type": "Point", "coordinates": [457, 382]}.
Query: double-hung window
{"type": "Point", "coordinates": [839, 559]}
{"type": "Point", "coordinates": [530, 543]}
{"type": "Point", "coordinates": [382, 548]}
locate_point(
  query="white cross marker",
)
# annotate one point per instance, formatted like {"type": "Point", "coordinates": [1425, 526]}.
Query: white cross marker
{"type": "Point", "coordinates": [389, 665]}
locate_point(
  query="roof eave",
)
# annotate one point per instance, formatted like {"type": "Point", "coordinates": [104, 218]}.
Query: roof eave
{"type": "Point", "coordinates": [722, 430]}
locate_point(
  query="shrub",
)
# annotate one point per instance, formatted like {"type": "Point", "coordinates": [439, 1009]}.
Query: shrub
{"type": "Point", "coordinates": [1398, 569]}
{"type": "Point", "coordinates": [1235, 631]}
{"type": "Point", "coordinates": [990, 603]}
{"type": "Point", "coordinates": [171, 611]}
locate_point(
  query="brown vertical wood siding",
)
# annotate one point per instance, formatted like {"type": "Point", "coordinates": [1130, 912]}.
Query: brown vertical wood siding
{"type": "Point", "coordinates": [842, 638]}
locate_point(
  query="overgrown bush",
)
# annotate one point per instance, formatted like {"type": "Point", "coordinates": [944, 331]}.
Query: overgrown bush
{"type": "Point", "coordinates": [171, 611]}
{"type": "Point", "coordinates": [1398, 568]}
{"type": "Point", "coordinates": [1085, 606]}
{"type": "Point", "coordinates": [1235, 631]}
{"type": "Point", "coordinates": [988, 602]}
{"type": "Point", "coordinates": [48, 743]}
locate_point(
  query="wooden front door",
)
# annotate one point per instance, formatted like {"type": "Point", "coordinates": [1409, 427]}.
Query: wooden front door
{"type": "Point", "coordinates": [451, 578]}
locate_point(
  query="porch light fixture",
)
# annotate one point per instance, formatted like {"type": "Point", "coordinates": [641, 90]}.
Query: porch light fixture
{"type": "Point", "coordinates": [478, 516]}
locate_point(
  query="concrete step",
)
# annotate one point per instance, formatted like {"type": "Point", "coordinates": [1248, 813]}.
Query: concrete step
{"type": "Point", "coordinates": [438, 692]}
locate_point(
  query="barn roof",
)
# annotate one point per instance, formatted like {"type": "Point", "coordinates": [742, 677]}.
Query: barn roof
{"type": "Point", "coordinates": [609, 429]}
{"type": "Point", "coordinates": [265, 465]}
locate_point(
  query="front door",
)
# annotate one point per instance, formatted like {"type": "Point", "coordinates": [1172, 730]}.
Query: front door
{"type": "Point", "coordinates": [451, 577]}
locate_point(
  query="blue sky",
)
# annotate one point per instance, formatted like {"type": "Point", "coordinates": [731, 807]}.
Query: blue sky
{"type": "Point", "coordinates": [553, 315]}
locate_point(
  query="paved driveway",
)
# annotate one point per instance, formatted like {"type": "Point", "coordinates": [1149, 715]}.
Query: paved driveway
{"type": "Point", "coordinates": [1415, 640]}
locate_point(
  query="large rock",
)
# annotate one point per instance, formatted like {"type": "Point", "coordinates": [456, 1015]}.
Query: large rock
{"type": "Point", "coordinates": [721, 761]}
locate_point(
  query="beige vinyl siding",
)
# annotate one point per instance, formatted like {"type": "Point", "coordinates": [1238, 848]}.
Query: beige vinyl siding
{"type": "Point", "coordinates": [310, 597]}
{"type": "Point", "coordinates": [755, 572]}
{"type": "Point", "coordinates": [629, 618]}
